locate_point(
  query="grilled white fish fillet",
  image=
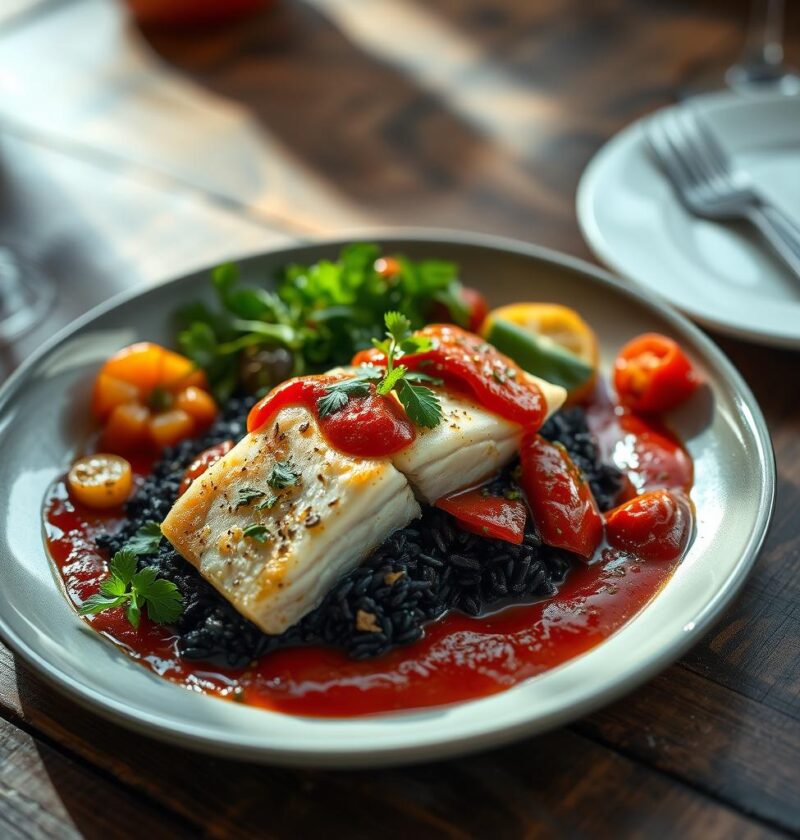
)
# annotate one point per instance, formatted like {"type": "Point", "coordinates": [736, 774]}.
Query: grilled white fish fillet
{"type": "Point", "coordinates": [470, 444]}
{"type": "Point", "coordinates": [317, 530]}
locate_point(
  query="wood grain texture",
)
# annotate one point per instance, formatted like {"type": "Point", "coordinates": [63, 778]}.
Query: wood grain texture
{"type": "Point", "coordinates": [730, 746]}
{"type": "Point", "coordinates": [45, 794]}
{"type": "Point", "coordinates": [562, 784]}
{"type": "Point", "coordinates": [755, 651]}
{"type": "Point", "coordinates": [175, 149]}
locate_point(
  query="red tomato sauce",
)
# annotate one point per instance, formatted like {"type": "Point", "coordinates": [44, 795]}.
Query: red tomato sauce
{"type": "Point", "coordinates": [650, 454]}
{"type": "Point", "coordinates": [459, 658]}
{"type": "Point", "coordinates": [369, 426]}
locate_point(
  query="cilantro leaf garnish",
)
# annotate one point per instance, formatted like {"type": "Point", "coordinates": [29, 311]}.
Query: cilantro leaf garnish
{"type": "Point", "coordinates": [125, 586]}
{"type": "Point", "coordinates": [282, 475]}
{"type": "Point", "coordinates": [397, 326]}
{"type": "Point", "coordinates": [419, 376]}
{"type": "Point", "coordinates": [390, 380]}
{"type": "Point", "coordinates": [247, 495]}
{"type": "Point", "coordinates": [259, 533]}
{"type": "Point", "coordinates": [415, 344]}
{"type": "Point", "coordinates": [338, 393]}
{"type": "Point", "coordinates": [146, 540]}
{"type": "Point", "coordinates": [421, 404]}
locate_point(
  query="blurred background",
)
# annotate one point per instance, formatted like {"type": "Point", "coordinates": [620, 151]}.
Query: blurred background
{"type": "Point", "coordinates": [140, 140]}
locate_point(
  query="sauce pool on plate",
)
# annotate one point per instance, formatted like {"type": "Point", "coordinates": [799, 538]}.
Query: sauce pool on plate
{"type": "Point", "coordinates": [459, 658]}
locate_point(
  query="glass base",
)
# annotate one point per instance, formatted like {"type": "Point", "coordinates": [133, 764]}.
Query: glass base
{"type": "Point", "coordinates": [763, 77]}
{"type": "Point", "coordinates": [25, 294]}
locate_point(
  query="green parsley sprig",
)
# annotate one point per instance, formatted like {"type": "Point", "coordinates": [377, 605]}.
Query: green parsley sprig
{"type": "Point", "coordinates": [421, 404]}
{"type": "Point", "coordinates": [125, 586]}
{"type": "Point", "coordinates": [135, 590]}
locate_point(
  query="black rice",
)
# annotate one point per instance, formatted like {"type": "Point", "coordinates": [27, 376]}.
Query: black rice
{"type": "Point", "coordinates": [419, 573]}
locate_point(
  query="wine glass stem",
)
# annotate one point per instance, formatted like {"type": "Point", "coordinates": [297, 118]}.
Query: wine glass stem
{"type": "Point", "coordinates": [765, 45]}
{"type": "Point", "coordinates": [762, 59]}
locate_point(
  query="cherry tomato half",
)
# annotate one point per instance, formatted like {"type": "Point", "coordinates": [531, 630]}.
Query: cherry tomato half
{"type": "Point", "coordinates": [477, 307]}
{"type": "Point", "coordinates": [475, 303]}
{"type": "Point", "coordinates": [100, 481]}
{"type": "Point", "coordinates": [202, 462]}
{"type": "Point", "coordinates": [487, 516]}
{"type": "Point", "coordinates": [560, 498]}
{"type": "Point", "coordinates": [467, 363]}
{"type": "Point", "coordinates": [654, 526]}
{"type": "Point", "coordinates": [652, 374]}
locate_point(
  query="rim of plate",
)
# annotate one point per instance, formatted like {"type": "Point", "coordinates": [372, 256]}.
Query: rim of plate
{"type": "Point", "coordinates": [606, 252]}
{"type": "Point", "coordinates": [476, 735]}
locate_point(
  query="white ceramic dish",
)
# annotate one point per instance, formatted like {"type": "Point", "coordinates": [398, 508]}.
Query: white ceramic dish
{"type": "Point", "coordinates": [722, 275]}
{"type": "Point", "coordinates": [43, 421]}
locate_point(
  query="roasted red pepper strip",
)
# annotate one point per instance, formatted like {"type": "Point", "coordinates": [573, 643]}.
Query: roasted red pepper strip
{"type": "Point", "coordinates": [560, 498]}
{"type": "Point", "coordinates": [468, 364]}
{"type": "Point", "coordinates": [654, 526]}
{"type": "Point", "coordinates": [652, 374]}
{"type": "Point", "coordinates": [488, 516]}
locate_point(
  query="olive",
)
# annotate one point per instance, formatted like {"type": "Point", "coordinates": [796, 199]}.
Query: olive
{"type": "Point", "coordinates": [262, 368]}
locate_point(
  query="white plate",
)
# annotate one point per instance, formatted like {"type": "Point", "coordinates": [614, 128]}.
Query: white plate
{"type": "Point", "coordinates": [43, 421]}
{"type": "Point", "coordinates": [722, 275]}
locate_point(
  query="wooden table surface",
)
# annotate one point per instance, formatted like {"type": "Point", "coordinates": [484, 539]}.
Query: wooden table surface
{"type": "Point", "coordinates": [126, 159]}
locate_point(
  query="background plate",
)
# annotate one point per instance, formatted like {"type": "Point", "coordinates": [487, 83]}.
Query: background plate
{"type": "Point", "coordinates": [723, 275]}
{"type": "Point", "coordinates": [43, 420]}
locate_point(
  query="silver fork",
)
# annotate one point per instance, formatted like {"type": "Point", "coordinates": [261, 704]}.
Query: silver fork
{"type": "Point", "coordinates": [708, 186]}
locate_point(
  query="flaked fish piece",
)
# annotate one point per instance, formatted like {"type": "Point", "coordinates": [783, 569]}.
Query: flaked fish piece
{"type": "Point", "coordinates": [470, 444]}
{"type": "Point", "coordinates": [274, 551]}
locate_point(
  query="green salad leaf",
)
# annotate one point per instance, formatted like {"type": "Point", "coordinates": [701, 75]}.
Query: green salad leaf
{"type": "Point", "coordinates": [321, 313]}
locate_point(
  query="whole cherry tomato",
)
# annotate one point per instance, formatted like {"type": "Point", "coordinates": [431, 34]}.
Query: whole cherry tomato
{"type": "Point", "coordinates": [652, 374]}
{"type": "Point", "coordinates": [654, 526]}
{"type": "Point", "coordinates": [476, 306]}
